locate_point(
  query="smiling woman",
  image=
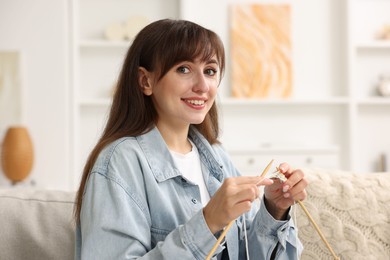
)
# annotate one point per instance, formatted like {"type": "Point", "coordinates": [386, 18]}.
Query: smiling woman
{"type": "Point", "coordinates": [158, 184]}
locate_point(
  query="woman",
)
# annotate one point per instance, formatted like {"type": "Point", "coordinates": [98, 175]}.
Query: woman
{"type": "Point", "coordinates": [158, 184]}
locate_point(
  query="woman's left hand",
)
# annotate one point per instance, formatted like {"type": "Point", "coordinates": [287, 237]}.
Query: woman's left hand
{"type": "Point", "coordinates": [280, 196]}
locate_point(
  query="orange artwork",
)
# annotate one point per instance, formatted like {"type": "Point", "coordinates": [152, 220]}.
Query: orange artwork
{"type": "Point", "coordinates": [261, 51]}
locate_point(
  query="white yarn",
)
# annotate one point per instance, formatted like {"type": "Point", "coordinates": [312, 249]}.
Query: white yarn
{"type": "Point", "coordinates": [246, 239]}
{"type": "Point", "coordinates": [294, 208]}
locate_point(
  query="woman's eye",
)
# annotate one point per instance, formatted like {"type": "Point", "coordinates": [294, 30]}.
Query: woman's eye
{"type": "Point", "coordinates": [183, 69]}
{"type": "Point", "coordinates": [211, 72]}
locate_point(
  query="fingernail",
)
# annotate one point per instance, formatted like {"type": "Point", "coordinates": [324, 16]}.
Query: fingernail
{"type": "Point", "coordinates": [286, 195]}
{"type": "Point", "coordinates": [286, 188]}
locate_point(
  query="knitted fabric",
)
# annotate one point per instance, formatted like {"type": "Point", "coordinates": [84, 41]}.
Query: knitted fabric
{"type": "Point", "coordinates": [352, 211]}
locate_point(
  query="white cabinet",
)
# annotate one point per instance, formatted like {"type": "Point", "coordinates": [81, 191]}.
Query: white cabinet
{"type": "Point", "coordinates": [303, 133]}
{"type": "Point", "coordinates": [253, 161]}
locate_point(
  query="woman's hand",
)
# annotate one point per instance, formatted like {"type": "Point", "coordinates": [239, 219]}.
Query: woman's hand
{"type": "Point", "coordinates": [232, 199]}
{"type": "Point", "coordinates": [280, 196]}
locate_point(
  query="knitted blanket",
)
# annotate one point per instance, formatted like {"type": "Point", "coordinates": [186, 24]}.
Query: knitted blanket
{"type": "Point", "coordinates": [353, 212]}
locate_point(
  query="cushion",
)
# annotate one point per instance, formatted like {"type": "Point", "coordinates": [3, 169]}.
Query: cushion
{"type": "Point", "coordinates": [352, 211]}
{"type": "Point", "coordinates": [36, 224]}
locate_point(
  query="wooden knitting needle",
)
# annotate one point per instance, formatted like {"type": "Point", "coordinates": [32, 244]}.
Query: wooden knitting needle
{"type": "Point", "coordinates": [318, 230]}
{"type": "Point", "coordinates": [221, 237]}
{"type": "Point", "coordinates": [282, 178]}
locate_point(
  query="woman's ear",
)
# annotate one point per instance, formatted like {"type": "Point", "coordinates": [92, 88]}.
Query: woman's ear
{"type": "Point", "coordinates": [144, 81]}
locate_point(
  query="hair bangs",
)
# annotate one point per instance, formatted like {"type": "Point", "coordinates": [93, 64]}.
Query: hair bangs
{"type": "Point", "coordinates": [195, 43]}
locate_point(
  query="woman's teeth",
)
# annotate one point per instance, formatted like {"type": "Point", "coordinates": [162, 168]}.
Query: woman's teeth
{"type": "Point", "coordinates": [196, 102]}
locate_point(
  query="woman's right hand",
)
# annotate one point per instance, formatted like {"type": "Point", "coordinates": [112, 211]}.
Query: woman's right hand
{"type": "Point", "coordinates": [232, 199]}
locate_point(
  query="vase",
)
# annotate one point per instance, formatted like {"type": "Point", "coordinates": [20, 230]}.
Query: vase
{"type": "Point", "coordinates": [384, 86]}
{"type": "Point", "coordinates": [17, 154]}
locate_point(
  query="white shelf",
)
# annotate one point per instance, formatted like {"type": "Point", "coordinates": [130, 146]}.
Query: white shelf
{"type": "Point", "coordinates": [283, 148]}
{"type": "Point", "coordinates": [374, 44]}
{"type": "Point", "coordinates": [103, 102]}
{"type": "Point", "coordinates": [374, 101]}
{"type": "Point", "coordinates": [100, 43]}
{"type": "Point", "coordinates": [226, 101]}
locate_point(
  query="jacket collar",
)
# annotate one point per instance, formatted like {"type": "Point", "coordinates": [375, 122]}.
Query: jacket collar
{"type": "Point", "coordinates": [161, 162]}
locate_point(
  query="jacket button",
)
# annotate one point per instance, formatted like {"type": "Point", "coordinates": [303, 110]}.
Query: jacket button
{"type": "Point", "coordinates": [194, 201]}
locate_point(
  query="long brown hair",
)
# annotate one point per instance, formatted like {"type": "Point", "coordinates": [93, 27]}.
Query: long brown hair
{"type": "Point", "coordinates": [157, 48]}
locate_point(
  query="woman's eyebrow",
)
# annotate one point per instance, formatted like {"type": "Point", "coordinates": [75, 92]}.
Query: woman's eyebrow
{"type": "Point", "coordinates": [212, 61]}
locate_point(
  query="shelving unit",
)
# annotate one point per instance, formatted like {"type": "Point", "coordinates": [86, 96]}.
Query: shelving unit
{"type": "Point", "coordinates": [334, 94]}
{"type": "Point", "coordinates": [334, 119]}
{"type": "Point", "coordinates": [96, 65]}
{"type": "Point", "coordinates": [368, 58]}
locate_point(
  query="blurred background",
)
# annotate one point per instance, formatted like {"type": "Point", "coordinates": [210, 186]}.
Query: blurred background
{"type": "Point", "coordinates": [328, 60]}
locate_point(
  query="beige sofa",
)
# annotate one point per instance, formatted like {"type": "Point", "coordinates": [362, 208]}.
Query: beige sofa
{"type": "Point", "coordinates": [352, 210]}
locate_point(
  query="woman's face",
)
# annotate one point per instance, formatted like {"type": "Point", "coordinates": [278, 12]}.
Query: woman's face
{"type": "Point", "coordinates": [186, 92]}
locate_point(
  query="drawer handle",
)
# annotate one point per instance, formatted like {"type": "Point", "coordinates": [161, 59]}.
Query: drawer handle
{"type": "Point", "coordinates": [251, 161]}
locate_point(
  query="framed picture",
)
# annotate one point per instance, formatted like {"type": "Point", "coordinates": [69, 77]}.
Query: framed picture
{"type": "Point", "coordinates": [261, 50]}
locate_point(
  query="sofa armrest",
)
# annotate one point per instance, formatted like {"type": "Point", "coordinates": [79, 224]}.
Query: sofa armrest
{"type": "Point", "coordinates": [36, 224]}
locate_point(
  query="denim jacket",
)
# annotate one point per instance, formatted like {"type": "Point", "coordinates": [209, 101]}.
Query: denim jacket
{"type": "Point", "coordinates": [136, 204]}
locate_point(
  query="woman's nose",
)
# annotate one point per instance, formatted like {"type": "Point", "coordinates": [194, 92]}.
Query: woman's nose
{"type": "Point", "coordinates": [201, 83]}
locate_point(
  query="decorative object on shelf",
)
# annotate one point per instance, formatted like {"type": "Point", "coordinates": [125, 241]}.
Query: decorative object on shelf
{"type": "Point", "coordinates": [120, 31]}
{"type": "Point", "coordinates": [384, 33]}
{"type": "Point", "coordinates": [261, 50]}
{"type": "Point", "coordinates": [115, 32]}
{"type": "Point", "coordinates": [17, 154]}
{"type": "Point", "coordinates": [384, 86]}
{"type": "Point", "coordinates": [134, 24]}
{"type": "Point", "coordinates": [384, 162]}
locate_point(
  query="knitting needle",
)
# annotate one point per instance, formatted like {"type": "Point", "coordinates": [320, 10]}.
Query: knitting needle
{"type": "Point", "coordinates": [318, 230]}
{"type": "Point", "coordinates": [282, 178]}
{"type": "Point", "coordinates": [223, 234]}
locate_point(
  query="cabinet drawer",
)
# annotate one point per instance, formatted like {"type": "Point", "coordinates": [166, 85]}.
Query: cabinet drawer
{"type": "Point", "coordinates": [252, 163]}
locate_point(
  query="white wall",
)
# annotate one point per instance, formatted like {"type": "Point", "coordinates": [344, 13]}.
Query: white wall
{"type": "Point", "coordinates": [37, 29]}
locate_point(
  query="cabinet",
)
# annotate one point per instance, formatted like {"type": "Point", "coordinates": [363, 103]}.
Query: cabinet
{"type": "Point", "coordinates": [335, 119]}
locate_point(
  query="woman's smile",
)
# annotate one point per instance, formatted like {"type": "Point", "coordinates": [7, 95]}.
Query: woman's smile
{"type": "Point", "coordinates": [195, 103]}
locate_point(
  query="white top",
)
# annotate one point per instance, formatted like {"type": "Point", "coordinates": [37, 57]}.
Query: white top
{"type": "Point", "coordinates": [189, 166]}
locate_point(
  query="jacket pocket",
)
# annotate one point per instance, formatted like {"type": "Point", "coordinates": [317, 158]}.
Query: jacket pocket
{"type": "Point", "coordinates": [158, 235]}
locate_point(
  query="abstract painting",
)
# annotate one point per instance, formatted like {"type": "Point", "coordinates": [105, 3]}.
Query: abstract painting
{"type": "Point", "coordinates": [261, 51]}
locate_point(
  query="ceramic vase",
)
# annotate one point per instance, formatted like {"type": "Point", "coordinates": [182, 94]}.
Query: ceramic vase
{"type": "Point", "coordinates": [17, 154]}
{"type": "Point", "coordinates": [384, 86]}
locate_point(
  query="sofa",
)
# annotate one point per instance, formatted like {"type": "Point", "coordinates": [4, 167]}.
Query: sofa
{"type": "Point", "coordinates": [351, 209]}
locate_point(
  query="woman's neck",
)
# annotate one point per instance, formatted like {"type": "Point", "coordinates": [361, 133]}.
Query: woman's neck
{"type": "Point", "coordinates": [176, 138]}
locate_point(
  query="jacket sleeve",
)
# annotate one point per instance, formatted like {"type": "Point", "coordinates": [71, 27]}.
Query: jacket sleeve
{"type": "Point", "coordinates": [116, 225]}
{"type": "Point", "coordinates": [265, 234]}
